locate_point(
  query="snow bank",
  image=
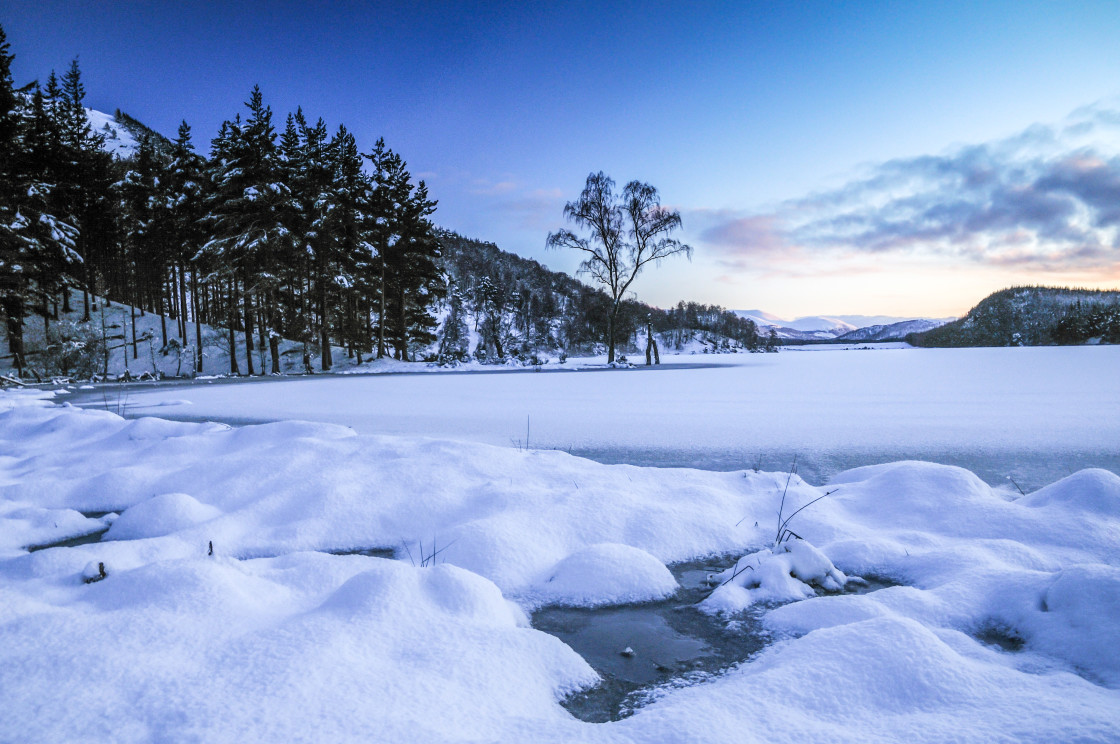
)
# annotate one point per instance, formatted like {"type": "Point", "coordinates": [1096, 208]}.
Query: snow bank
{"type": "Point", "coordinates": [160, 515]}
{"type": "Point", "coordinates": [607, 574]}
{"type": "Point", "coordinates": [266, 641]}
{"type": "Point", "coordinates": [300, 647]}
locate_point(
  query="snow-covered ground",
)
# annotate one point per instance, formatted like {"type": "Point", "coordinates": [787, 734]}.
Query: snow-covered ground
{"type": "Point", "coordinates": [270, 639]}
{"type": "Point", "coordinates": [1034, 414]}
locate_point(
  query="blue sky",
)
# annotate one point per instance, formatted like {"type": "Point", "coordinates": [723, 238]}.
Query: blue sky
{"type": "Point", "coordinates": [899, 158]}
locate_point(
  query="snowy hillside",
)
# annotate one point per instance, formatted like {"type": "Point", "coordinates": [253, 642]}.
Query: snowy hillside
{"type": "Point", "coordinates": [891, 332]}
{"type": "Point", "coordinates": [1033, 316]}
{"type": "Point", "coordinates": [123, 133]}
{"type": "Point", "coordinates": [118, 139]}
{"type": "Point", "coordinates": [51, 340]}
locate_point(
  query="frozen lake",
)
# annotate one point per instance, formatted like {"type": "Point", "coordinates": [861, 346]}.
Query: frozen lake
{"type": "Point", "coordinates": [1035, 414]}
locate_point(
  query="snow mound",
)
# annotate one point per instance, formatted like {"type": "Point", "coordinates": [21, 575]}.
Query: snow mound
{"type": "Point", "coordinates": [607, 573]}
{"type": "Point", "coordinates": [1080, 618]}
{"type": "Point", "coordinates": [10, 399]}
{"type": "Point", "coordinates": [302, 647]}
{"type": "Point", "coordinates": [1093, 490]}
{"type": "Point", "coordinates": [22, 525]}
{"type": "Point", "coordinates": [785, 573]}
{"type": "Point", "coordinates": [160, 515]}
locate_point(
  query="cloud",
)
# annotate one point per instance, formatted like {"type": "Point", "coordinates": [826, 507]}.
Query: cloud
{"type": "Point", "coordinates": [1046, 199]}
{"type": "Point", "coordinates": [486, 187]}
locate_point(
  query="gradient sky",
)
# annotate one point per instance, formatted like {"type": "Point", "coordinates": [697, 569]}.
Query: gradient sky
{"type": "Point", "coordinates": [899, 158]}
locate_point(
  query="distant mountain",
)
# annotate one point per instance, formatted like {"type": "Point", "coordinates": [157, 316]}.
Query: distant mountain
{"type": "Point", "coordinates": [891, 331]}
{"type": "Point", "coordinates": [864, 321]}
{"type": "Point", "coordinates": [811, 328]}
{"type": "Point", "coordinates": [760, 317]}
{"type": "Point", "coordinates": [1032, 316]}
{"type": "Point", "coordinates": [840, 327]}
{"type": "Point", "coordinates": [813, 323]}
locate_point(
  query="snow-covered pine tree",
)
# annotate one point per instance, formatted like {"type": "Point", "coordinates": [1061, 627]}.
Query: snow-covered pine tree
{"type": "Point", "coordinates": [421, 283]}
{"type": "Point", "coordinates": [179, 208]}
{"type": "Point", "coordinates": [246, 211]}
{"type": "Point", "coordinates": [489, 303]}
{"type": "Point", "coordinates": [347, 222]}
{"type": "Point", "coordinates": [35, 245]}
{"type": "Point", "coordinates": [386, 166]}
{"type": "Point", "coordinates": [454, 336]}
{"type": "Point", "coordinates": [83, 194]}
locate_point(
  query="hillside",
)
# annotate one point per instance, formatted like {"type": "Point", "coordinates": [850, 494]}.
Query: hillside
{"type": "Point", "coordinates": [122, 134]}
{"type": "Point", "coordinates": [529, 308]}
{"type": "Point", "coordinates": [891, 331]}
{"type": "Point", "coordinates": [1032, 316]}
{"type": "Point", "coordinates": [120, 337]}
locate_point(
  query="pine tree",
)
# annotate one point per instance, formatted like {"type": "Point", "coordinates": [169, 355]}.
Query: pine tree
{"type": "Point", "coordinates": [179, 209]}
{"type": "Point", "coordinates": [454, 337]}
{"type": "Point", "coordinates": [35, 245]}
{"type": "Point", "coordinates": [246, 212]}
{"type": "Point", "coordinates": [347, 222]}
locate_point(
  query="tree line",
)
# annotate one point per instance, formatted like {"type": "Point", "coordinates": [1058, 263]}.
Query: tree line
{"type": "Point", "coordinates": [1032, 316]}
{"type": "Point", "coordinates": [279, 232]}
{"type": "Point", "coordinates": [292, 234]}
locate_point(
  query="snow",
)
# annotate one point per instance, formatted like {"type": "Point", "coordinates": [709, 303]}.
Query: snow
{"type": "Point", "coordinates": [118, 140]}
{"type": "Point", "coordinates": [608, 573]}
{"type": "Point", "coordinates": [267, 639]}
{"type": "Point", "coordinates": [783, 573]}
{"type": "Point", "coordinates": [160, 515]}
{"type": "Point", "coordinates": [1033, 413]}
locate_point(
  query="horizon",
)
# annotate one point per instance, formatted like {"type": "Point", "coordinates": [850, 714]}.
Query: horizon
{"type": "Point", "coordinates": [903, 161]}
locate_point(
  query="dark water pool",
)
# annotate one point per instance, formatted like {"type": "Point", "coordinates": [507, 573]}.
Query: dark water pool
{"type": "Point", "coordinates": [71, 542]}
{"type": "Point", "coordinates": [641, 650]}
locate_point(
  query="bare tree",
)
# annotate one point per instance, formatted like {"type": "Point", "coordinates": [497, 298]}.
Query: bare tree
{"type": "Point", "coordinates": [628, 231]}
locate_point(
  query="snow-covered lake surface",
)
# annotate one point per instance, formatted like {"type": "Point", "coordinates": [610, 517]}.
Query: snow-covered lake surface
{"type": "Point", "coordinates": [1034, 414]}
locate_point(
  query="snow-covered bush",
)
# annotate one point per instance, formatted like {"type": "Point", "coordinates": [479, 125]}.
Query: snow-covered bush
{"type": "Point", "coordinates": [74, 349]}
{"type": "Point", "coordinates": [786, 572]}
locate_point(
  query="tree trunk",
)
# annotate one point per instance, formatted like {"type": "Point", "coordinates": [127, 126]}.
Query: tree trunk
{"type": "Point", "coordinates": [274, 333]}
{"type": "Point", "coordinates": [262, 332]}
{"type": "Point", "coordinates": [197, 323]}
{"type": "Point", "coordinates": [132, 312]}
{"type": "Point", "coordinates": [381, 315]}
{"type": "Point", "coordinates": [402, 327]}
{"type": "Point", "coordinates": [163, 320]}
{"type": "Point", "coordinates": [13, 309]}
{"type": "Point", "coordinates": [182, 304]}
{"type": "Point", "coordinates": [610, 334]}
{"type": "Point", "coordinates": [232, 316]}
{"type": "Point", "coordinates": [85, 291]}
{"type": "Point", "coordinates": [325, 357]}
{"type": "Point", "coordinates": [248, 332]}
